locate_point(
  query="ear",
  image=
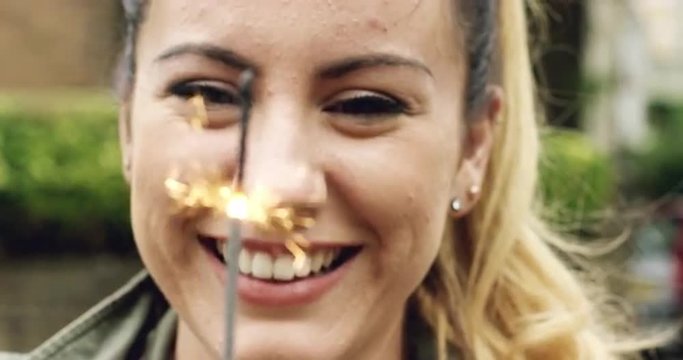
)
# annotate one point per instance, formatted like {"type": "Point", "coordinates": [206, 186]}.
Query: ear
{"type": "Point", "coordinates": [477, 147]}
{"type": "Point", "coordinates": [125, 140]}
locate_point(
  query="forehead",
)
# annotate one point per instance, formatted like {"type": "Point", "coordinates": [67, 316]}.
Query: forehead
{"type": "Point", "coordinates": [307, 28]}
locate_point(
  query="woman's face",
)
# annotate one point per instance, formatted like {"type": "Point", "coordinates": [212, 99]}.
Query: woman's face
{"type": "Point", "coordinates": [357, 118]}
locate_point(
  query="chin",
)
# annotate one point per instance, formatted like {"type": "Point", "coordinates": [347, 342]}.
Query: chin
{"type": "Point", "coordinates": [284, 346]}
{"type": "Point", "coordinates": [276, 342]}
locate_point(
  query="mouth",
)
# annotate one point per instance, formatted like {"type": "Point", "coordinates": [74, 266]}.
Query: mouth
{"type": "Point", "coordinates": [272, 263]}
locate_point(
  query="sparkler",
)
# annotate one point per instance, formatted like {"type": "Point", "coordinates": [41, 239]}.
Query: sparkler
{"type": "Point", "coordinates": [238, 211]}
{"type": "Point", "coordinates": [213, 194]}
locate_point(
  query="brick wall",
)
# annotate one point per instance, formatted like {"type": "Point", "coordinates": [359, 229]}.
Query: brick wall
{"type": "Point", "coordinates": [57, 43]}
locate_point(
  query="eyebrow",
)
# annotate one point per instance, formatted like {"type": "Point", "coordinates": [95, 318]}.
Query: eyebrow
{"type": "Point", "coordinates": [222, 55]}
{"type": "Point", "coordinates": [337, 69]}
{"type": "Point", "coordinates": [349, 65]}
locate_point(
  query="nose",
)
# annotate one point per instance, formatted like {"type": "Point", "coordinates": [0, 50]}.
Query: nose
{"type": "Point", "coordinates": [281, 161]}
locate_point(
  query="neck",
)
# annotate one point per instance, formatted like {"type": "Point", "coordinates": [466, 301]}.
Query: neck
{"type": "Point", "coordinates": [388, 344]}
{"type": "Point", "coordinates": [188, 347]}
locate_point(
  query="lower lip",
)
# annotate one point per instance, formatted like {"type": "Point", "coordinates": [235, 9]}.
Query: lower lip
{"type": "Point", "coordinates": [273, 294]}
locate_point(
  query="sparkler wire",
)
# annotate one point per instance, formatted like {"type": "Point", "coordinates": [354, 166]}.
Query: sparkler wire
{"type": "Point", "coordinates": [234, 243]}
{"type": "Point", "coordinates": [245, 89]}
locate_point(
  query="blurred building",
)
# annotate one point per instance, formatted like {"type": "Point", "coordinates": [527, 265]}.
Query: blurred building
{"type": "Point", "coordinates": [56, 44]}
{"type": "Point", "coordinates": [663, 30]}
{"type": "Point", "coordinates": [633, 56]}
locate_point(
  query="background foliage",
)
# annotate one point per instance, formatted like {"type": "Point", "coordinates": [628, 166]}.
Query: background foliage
{"type": "Point", "coordinates": [658, 168]}
{"type": "Point", "coordinates": [61, 188]}
{"type": "Point", "coordinates": [577, 182]}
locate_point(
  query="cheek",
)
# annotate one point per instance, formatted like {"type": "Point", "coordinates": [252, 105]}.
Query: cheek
{"type": "Point", "coordinates": [154, 157]}
{"type": "Point", "coordinates": [151, 163]}
{"type": "Point", "coordinates": [399, 186]}
{"type": "Point", "coordinates": [164, 145]}
{"type": "Point", "coordinates": [413, 219]}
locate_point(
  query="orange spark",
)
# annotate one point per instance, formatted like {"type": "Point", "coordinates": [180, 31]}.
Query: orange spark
{"type": "Point", "coordinates": [200, 118]}
{"type": "Point", "coordinates": [218, 197]}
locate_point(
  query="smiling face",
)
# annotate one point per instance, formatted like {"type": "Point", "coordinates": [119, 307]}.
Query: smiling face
{"type": "Point", "coordinates": [357, 118]}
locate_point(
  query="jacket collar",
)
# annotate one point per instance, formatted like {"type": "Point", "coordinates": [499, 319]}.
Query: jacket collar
{"type": "Point", "coordinates": [134, 321]}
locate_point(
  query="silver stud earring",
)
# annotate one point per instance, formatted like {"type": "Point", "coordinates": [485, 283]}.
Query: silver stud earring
{"type": "Point", "coordinates": [456, 205]}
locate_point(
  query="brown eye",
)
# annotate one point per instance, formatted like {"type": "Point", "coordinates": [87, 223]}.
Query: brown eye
{"type": "Point", "coordinates": [213, 93]}
{"type": "Point", "coordinates": [367, 105]}
{"type": "Point", "coordinates": [365, 114]}
{"type": "Point", "coordinates": [221, 102]}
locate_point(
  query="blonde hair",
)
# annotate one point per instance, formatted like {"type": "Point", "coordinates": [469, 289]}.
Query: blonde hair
{"type": "Point", "coordinates": [498, 289]}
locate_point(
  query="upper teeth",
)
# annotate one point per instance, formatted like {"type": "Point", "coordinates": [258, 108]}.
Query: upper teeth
{"type": "Point", "coordinates": [262, 265]}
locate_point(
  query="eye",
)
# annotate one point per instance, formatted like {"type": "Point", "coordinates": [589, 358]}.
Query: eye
{"type": "Point", "coordinates": [214, 93]}
{"type": "Point", "coordinates": [367, 104]}
{"type": "Point", "coordinates": [220, 100]}
{"type": "Point", "coordinates": [365, 114]}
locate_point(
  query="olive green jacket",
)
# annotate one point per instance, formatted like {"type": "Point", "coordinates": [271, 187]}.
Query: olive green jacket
{"type": "Point", "coordinates": [137, 323]}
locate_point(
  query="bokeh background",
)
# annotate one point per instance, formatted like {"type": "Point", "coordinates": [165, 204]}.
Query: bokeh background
{"type": "Point", "coordinates": [611, 85]}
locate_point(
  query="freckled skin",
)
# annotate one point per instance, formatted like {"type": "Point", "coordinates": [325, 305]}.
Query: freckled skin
{"type": "Point", "coordinates": [388, 189]}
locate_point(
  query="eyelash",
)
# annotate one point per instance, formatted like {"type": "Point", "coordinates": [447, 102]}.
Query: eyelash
{"type": "Point", "coordinates": [213, 94]}
{"type": "Point", "coordinates": [368, 106]}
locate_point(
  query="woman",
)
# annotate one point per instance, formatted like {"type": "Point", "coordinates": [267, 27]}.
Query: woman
{"type": "Point", "coordinates": [383, 121]}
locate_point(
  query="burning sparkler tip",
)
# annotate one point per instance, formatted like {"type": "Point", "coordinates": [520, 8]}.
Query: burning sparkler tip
{"type": "Point", "coordinates": [238, 207]}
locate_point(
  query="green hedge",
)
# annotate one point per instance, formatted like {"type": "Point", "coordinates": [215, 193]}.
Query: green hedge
{"type": "Point", "coordinates": [61, 188]}
{"type": "Point", "coordinates": [577, 182]}
{"type": "Point", "coordinates": [658, 168]}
